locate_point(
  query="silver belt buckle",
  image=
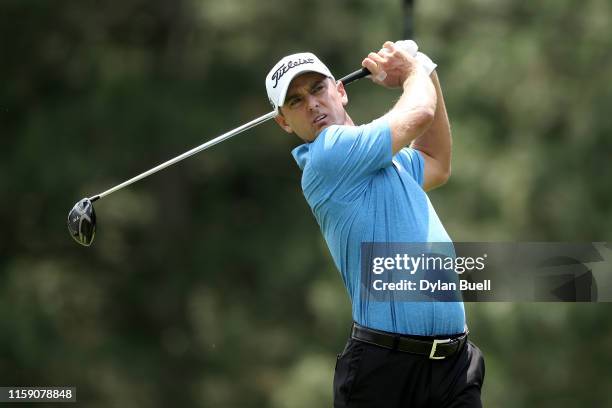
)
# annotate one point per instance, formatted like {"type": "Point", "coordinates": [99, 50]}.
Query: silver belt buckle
{"type": "Point", "coordinates": [432, 353]}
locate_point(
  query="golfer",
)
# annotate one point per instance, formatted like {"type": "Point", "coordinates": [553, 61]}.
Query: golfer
{"type": "Point", "coordinates": [367, 183]}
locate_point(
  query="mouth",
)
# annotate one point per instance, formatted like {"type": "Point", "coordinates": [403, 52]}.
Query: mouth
{"type": "Point", "coordinates": [319, 118]}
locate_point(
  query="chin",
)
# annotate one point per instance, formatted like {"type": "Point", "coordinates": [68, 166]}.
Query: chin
{"type": "Point", "coordinates": [307, 138]}
{"type": "Point", "coordinates": [322, 128]}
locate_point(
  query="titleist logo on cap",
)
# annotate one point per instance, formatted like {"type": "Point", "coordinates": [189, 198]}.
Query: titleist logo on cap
{"type": "Point", "coordinates": [282, 70]}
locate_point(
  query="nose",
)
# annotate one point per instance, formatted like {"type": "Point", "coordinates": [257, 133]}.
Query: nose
{"type": "Point", "coordinates": [312, 102]}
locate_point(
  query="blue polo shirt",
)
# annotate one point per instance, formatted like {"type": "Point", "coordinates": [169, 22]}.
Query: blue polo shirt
{"type": "Point", "coordinates": [360, 192]}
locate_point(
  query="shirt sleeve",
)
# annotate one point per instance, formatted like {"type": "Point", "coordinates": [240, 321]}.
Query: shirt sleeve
{"type": "Point", "coordinates": [349, 155]}
{"type": "Point", "coordinates": [412, 160]}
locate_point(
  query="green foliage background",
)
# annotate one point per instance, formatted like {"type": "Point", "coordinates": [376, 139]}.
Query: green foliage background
{"type": "Point", "coordinates": [209, 284]}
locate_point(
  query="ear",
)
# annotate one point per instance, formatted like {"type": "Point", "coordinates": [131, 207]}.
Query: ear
{"type": "Point", "coordinates": [342, 92]}
{"type": "Point", "coordinates": [282, 122]}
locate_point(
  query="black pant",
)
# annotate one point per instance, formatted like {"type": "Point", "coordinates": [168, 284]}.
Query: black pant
{"type": "Point", "coordinates": [374, 377]}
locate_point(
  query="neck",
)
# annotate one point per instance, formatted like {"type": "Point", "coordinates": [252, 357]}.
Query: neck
{"type": "Point", "coordinates": [347, 120]}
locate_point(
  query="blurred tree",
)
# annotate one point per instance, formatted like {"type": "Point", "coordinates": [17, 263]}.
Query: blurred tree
{"type": "Point", "coordinates": [209, 284]}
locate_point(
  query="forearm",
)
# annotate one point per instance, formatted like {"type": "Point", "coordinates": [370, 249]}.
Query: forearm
{"type": "Point", "coordinates": [436, 141]}
{"type": "Point", "coordinates": [415, 111]}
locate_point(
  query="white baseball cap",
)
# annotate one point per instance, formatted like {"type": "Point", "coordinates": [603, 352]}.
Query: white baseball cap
{"type": "Point", "coordinates": [280, 76]}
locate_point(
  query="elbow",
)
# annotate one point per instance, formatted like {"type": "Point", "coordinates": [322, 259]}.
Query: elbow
{"type": "Point", "coordinates": [445, 173]}
{"type": "Point", "coordinates": [421, 119]}
{"type": "Point", "coordinates": [444, 178]}
{"type": "Point", "coordinates": [424, 116]}
{"type": "Point", "coordinates": [436, 181]}
{"type": "Point", "coordinates": [441, 177]}
{"type": "Point", "coordinates": [407, 125]}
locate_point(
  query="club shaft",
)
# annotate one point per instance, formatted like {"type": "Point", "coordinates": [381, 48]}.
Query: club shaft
{"type": "Point", "coordinates": [187, 154]}
{"type": "Point", "coordinates": [354, 76]}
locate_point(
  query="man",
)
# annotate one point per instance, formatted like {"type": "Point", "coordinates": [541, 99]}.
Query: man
{"type": "Point", "coordinates": [367, 184]}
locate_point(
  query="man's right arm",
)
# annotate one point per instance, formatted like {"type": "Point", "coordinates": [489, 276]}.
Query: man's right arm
{"type": "Point", "coordinates": [415, 110]}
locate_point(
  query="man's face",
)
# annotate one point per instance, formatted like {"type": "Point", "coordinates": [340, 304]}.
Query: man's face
{"type": "Point", "coordinates": [313, 102]}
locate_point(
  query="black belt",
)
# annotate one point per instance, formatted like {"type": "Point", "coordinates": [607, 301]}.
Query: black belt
{"type": "Point", "coordinates": [435, 349]}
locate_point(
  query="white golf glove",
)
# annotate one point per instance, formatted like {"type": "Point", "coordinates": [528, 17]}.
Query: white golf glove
{"type": "Point", "coordinates": [426, 62]}
{"type": "Point", "coordinates": [413, 49]}
{"type": "Point", "coordinates": [408, 45]}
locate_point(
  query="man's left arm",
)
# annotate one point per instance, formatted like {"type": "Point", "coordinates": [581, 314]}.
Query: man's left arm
{"type": "Point", "coordinates": [435, 144]}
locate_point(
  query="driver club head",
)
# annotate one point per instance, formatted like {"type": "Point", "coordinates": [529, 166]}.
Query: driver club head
{"type": "Point", "coordinates": [82, 222]}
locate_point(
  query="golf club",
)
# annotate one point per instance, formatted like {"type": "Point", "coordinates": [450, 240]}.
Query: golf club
{"type": "Point", "coordinates": [82, 217]}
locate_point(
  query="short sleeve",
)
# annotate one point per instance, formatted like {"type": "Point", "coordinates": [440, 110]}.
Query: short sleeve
{"type": "Point", "coordinates": [350, 154]}
{"type": "Point", "coordinates": [412, 160]}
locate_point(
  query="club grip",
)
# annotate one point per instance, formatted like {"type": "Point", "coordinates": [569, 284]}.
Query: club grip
{"type": "Point", "coordinates": [354, 76]}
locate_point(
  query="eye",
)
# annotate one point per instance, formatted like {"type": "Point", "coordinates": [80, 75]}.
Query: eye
{"type": "Point", "coordinates": [319, 87]}
{"type": "Point", "coordinates": [294, 102]}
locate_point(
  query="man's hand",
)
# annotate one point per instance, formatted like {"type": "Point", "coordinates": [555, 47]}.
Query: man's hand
{"type": "Point", "coordinates": [414, 111]}
{"type": "Point", "coordinates": [391, 66]}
